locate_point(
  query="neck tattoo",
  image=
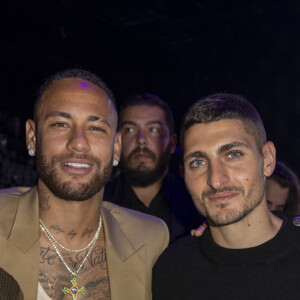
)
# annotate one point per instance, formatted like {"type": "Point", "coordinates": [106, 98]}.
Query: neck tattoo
{"type": "Point", "coordinates": [74, 290]}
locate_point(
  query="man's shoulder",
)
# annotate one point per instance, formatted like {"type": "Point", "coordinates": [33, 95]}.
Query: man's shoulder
{"type": "Point", "coordinates": [185, 243]}
{"type": "Point", "coordinates": [9, 201]}
{"type": "Point", "coordinates": [290, 222]}
{"type": "Point", "coordinates": [291, 227]}
{"type": "Point", "coordinates": [180, 251]}
{"type": "Point", "coordinates": [133, 216]}
{"type": "Point", "coordinates": [13, 192]}
{"type": "Point", "coordinates": [138, 228]}
{"type": "Point", "coordinates": [9, 197]}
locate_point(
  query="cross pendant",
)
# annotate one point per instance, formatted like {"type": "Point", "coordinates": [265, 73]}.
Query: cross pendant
{"type": "Point", "coordinates": [74, 290]}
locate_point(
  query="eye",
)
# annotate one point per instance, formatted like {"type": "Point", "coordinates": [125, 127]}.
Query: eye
{"type": "Point", "coordinates": [153, 129]}
{"type": "Point", "coordinates": [235, 154]}
{"type": "Point", "coordinates": [128, 130]}
{"type": "Point", "coordinates": [96, 128]}
{"type": "Point", "coordinates": [59, 124]}
{"type": "Point", "coordinates": [197, 163]}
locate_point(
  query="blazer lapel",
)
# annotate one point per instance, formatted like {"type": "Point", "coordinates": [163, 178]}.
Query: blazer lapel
{"type": "Point", "coordinates": [27, 219]}
{"type": "Point", "coordinates": [126, 262]}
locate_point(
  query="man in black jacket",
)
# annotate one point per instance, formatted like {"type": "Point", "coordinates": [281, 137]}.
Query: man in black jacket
{"type": "Point", "coordinates": [145, 183]}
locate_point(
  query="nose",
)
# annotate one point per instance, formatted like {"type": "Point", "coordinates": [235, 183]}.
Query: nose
{"type": "Point", "coordinates": [141, 138]}
{"type": "Point", "coordinates": [78, 142]}
{"type": "Point", "coordinates": [217, 175]}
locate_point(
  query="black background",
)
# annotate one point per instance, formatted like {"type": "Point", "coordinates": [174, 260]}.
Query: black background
{"type": "Point", "coordinates": [179, 50]}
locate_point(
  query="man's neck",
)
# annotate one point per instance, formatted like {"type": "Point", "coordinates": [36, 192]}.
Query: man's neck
{"type": "Point", "coordinates": [72, 222]}
{"type": "Point", "coordinates": [255, 229]}
{"type": "Point", "coordinates": [146, 194]}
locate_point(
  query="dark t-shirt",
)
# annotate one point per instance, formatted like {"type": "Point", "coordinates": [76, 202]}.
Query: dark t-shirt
{"type": "Point", "coordinates": [172, 203]}
{"type": "Point", "coordinates": [197, 268]}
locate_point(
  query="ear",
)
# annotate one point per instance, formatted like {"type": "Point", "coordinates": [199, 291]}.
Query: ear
{"type": "Point", "coordinates": [30, 134]}
{"type": "Point", "coordinates": [173, 142]}
{"type": "Point", "coordinates": [269, 157]}
{"type": "Point", "coordinates": [117, 145]}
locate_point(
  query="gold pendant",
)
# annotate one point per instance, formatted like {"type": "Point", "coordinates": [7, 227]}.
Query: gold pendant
{"type": "Point", "coordinates": [74, 290]}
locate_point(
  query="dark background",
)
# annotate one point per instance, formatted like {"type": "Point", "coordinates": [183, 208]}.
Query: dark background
{"type": "Point", "coordinates": [179, 50]}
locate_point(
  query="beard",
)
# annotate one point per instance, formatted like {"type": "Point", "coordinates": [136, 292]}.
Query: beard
{"type": "Point", "coordinates": [142, 176]}
{"type": "Point", "coordinates": [234, 216]}
{"type": "Point", "coordinates": [70, 190]}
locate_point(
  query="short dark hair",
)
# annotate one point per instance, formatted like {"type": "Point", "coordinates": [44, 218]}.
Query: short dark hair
{"type": "Point", "coordinates": [286, 178]}
{"type": "Point", "coordinates": [67, 74]}
{"type": "Point", "coordinates": [152, 100]}
{"type": "Point", "coordinates": [217, 107]}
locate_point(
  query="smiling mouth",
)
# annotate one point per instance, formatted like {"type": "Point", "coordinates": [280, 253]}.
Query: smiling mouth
{"type": "Point", "coordinates": [76, 165]}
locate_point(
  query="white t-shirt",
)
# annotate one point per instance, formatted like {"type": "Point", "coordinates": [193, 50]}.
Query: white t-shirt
{"type": "Point", "coordinates": [42, 295]}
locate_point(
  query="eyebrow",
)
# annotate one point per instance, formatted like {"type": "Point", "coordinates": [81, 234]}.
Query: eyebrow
{"type": "Point", "coordinates": [229, 146]}
{"type": "Point", "coordinates": [68, 116]}
{"type": "Point", "coordinates": [93, 118]}
{"type": "Point", "coordinates": [133, 123]}
{"type": "Point", "coordinates": [154, 122]}
{"type": "Point", "coordinates": [58, 114]}
{"type": "Point", "coordinates": [195, 154]}
{"type": "Point", "coordinates": [221, 150]}
{"type": "Point", "coordinates": [127, 123]}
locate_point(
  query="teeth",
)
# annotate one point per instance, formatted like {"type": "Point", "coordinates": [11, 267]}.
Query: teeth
{"type": "Point", "coordinates": [77, 165]}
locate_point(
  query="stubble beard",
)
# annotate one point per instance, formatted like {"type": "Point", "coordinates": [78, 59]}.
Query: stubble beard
{"type": "Point", "coordinates": [143, 176]}
{"type": "Point", "coordinates": [69, 190]}
{"type": "Point", "coordinates": [222, 219]}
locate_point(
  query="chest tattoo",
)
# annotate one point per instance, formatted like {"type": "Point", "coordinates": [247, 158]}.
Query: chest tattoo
{"type": "Point", "coordinates": [91, 283]}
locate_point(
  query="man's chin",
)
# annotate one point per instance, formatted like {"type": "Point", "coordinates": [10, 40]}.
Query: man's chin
{"type": "Point", "coordinates": [75, 192]}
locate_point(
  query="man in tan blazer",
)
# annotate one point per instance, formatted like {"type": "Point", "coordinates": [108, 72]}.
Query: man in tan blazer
{"type": "Point", "coordinates": [58, 239]}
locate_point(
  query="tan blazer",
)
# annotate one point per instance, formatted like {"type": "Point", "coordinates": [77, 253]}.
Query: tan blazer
{"type": "Point", "coordinates": [133, 243]}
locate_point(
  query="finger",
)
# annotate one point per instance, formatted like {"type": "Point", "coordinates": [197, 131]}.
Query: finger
{"type": "Point", "coordinates": [199, 231]}
{"type": "Point", "coordinates": [193, 231]}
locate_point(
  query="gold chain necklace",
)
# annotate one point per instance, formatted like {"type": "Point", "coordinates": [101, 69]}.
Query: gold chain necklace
{"type": "Point", "coordinates": [74, 290]}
